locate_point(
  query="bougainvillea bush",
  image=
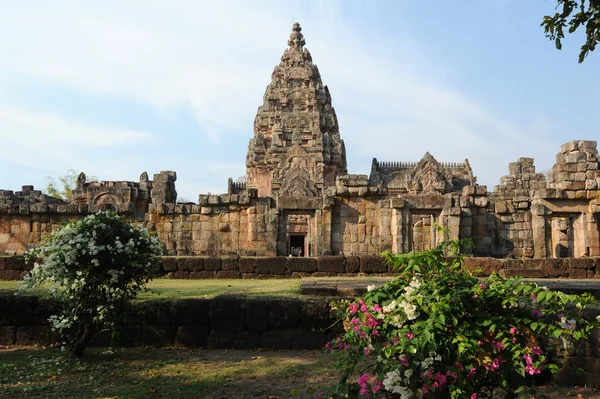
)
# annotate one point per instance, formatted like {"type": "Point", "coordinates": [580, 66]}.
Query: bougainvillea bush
{"type": "Point", "coordinates": [93, 266]}
{"type": "Point", "coordinates": [437, 331]}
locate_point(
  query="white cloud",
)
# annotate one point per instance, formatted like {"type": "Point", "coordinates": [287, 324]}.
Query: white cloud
{"type": "Point", "coordinates": [393, 99]}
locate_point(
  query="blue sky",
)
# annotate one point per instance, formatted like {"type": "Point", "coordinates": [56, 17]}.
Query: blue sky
{"type": "Point", "coordinates": [117, 88]}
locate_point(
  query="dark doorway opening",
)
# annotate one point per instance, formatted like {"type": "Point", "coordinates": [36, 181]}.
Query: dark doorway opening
{"type": "Point", "coordinates": [297, 245]}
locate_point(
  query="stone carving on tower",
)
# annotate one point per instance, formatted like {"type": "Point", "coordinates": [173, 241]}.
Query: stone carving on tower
{"type": "Point", "coordinates": [296, 149]}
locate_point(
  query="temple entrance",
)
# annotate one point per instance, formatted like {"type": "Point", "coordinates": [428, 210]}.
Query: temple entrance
{"type": "Point", "coordinates": [297, 245]}
{"type": "Point", "coordinates": [423, 233]}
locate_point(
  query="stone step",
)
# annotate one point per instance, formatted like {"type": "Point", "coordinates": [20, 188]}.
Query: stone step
{"type": "Point", "coordinates": [525, 273]}
{"type": "Point", "coordinates": [353, 287]}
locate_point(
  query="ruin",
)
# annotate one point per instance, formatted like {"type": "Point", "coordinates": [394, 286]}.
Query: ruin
{"type": "Point", "coordinates": [298, 198]}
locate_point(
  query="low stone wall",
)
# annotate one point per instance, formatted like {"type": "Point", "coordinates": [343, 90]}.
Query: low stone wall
{"type": "Point", "coordinates": [224, 322]}
{"type": "Point", "coordinates": [233, 322]}
{"type": "Point", "coordinates": [197, 267]}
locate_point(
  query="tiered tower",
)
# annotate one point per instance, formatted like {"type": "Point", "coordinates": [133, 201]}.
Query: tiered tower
{"type": "Point", "coordinates": [296, 150]}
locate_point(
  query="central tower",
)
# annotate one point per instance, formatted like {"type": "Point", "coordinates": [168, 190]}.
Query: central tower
{"type": "Point", "coordinates": [296, 150]}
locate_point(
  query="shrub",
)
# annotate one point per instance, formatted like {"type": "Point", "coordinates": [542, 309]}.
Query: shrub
{"type": "Point", "coordinates": [93, 266]}
{"type": "Point", "coordinates": [437, 331]}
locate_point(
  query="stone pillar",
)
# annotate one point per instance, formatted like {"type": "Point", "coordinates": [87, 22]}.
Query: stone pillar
{"type": "Point", "coordinates": [163, 188]}
{"type": "Point", "coordinates": [538, 229]}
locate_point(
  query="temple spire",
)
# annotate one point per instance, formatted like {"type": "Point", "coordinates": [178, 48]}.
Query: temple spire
{"type": "Point", "coordinates": [296, 41]}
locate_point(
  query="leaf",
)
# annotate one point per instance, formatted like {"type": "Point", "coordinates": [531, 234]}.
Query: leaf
{"type": "Point", "coordinates": [558, 44]}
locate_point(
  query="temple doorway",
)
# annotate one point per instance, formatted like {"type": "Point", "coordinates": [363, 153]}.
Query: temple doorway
{"type": "Point", "coordinates": [297, 245]}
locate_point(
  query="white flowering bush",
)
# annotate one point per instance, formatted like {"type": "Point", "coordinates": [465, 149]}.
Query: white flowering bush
{"type": "Point", "coordinates": [437, 331]}
{"type": "Point", "coordinates": [93, 266]}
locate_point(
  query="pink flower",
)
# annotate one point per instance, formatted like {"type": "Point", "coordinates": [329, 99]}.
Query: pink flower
{"type": "Point", "coordinates": [475, 296]}
{"type": "Point", "coordinates": [459, 365]}
{"type": "Point", "coordinates": [537, 351]}
{"type": "Point", "coordinates": [474, 396]}
{"type": "Point", "coordinates": [482, 286]}
{"type": "Point", "coordinates": [435, 385]}
{"type": "Point", "coordinates": [328, 347]}
{"type": "Point", "coordinates": [513, 330]}
{"type": "Point", "coordinates": [499, 346]}
{"type": "Point", "coordinates": [404, 360]}
{"type": "Point", "coordinates": [364, 309]}
{"type": "Point", "coordinates": [471, 372]}
{"type": "Point", "coordinates": [361, 334]}
{"type": "Point", "coordinates": [514, 339]}
{"type": "Point", "coordinates": [375, 333]}
{"type": "Point", "coordinates": [534, 297]}
{"type": "Point", "coordinates": [409, 335]}
{"type": "Point", "coordinates": [376, 308]}
{"type": "Point", "coordinates": [536, 313]}
{"type": "Point", "coordinates": [395, 341]}
{"type": "Point", "coordinates": [367, 351]}
{"type": "Point", "coordinates": [425, 390]}
{"type": "Point", "coordinates": [377, 385]}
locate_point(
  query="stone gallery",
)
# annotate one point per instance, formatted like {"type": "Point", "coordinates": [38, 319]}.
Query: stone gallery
{"type": "Point", "coordinates": [299, 199]}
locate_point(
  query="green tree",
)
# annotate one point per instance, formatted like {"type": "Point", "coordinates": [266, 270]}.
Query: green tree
{"type": "Point", "coordinates": [93, 267]}
{"type": "Point", "coordinates": [63, 189]}
{"type": "Point", "coordinates": [575, 14]}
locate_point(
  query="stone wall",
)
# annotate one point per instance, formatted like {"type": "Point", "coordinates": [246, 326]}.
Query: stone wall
{"type": "Point", "coordinates": [231, 322]}
{"type": "Point", "coordinates": [233, 267]}
{"type": "Point", "coordinates": [223, 322]}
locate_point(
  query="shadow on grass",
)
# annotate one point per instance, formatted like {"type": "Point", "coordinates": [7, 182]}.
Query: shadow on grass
{"type": "Point", "coordinates": [146, 373]}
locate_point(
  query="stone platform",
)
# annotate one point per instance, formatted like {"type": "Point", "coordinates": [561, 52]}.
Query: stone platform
{"type": "Point", "coordinates": [351, 287]}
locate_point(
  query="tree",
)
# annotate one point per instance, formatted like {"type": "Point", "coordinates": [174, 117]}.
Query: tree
{"type": "Point", "coordinates": [65, 186]}
{"type": "Point", "coordinates": [575, 14]}
{"type": "Point", "coordinates": [93, 267]}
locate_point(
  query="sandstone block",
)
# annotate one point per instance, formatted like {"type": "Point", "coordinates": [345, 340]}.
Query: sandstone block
{"type": "Point", "coordinates": [190, 264]}
{"type": "Point", "coordinates": [331, 264]}
{"type": "Point", "coordinates": [305, 265]}
{"type": "Point", "coordinates": [270, 265]}
{"type": "Point", "coordinates": [372, 264]}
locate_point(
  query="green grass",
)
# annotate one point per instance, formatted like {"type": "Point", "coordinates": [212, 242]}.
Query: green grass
{"type": "Point", "coordinates": [143, 373]}
{"type": "Point", "coordinates": [180, 289]}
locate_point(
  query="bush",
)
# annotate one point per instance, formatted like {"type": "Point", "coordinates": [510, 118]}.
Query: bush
{"type": "Point", "coordinates": [93, 266]}
{"type": "Point", "coordinates": [439, 332]}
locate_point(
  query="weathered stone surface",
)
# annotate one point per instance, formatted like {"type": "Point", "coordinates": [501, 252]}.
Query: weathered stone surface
{"type": "Point", "coordinates": [169, 263]}
{"type": "Point", "coordinates": [192, 336]}
{"type": "Point", "coordinates": [190, 264]}
{"type": "Point", "coordinates": [331, 264]}
{"type": "Point", "coordinates": [284, 314]}
{"type": "Point", "coordinates": [220, 340]}
{"type": "Point", "coordinates": [155, 335]}
{"type": "Point", "coordinates": [372, 264]}
{"type": "Point", "coordinates": [271, 265]}
{"type": "Point", "coordinates": [306, 265]}
{"type": "Point", "coordinates": [352, 264]}
{"type": "Point", "coordinates": [246, 340]}
{"type": "Point", "coordinates": [227, 313]}
{"type": "Point", "coordinates": [192, 311]}
{"type": "Point", "coordinates": [33, 335]}
{"type": "Point", "coordinates": [212, 263]}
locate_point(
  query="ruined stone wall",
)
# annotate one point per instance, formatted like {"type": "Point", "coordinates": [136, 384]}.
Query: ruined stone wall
{"type": "Point", "coordinates": [219, 225]}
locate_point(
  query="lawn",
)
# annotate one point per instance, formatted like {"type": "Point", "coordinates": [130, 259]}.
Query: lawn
{"type": "Point", "coordinates": [178, 373]}
{"type": "Point", "coordinates": [159, 373]}
{"type": "Point", "coordinates": [179, 289]}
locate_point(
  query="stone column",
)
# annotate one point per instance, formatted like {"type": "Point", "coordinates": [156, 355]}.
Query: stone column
{"type": "Point", "coordinates": [538, 229]}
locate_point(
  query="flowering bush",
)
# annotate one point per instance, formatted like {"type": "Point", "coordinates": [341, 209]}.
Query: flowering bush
{"type": "Point", "coordinates": [93, 266]}
{"type": "Point", "coordinates": [437, 331]}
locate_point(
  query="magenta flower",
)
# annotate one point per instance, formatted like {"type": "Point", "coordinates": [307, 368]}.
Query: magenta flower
{"type": "Point", "coordinates": [409, 335]}
{"type": "Point", "coordinates": [482, 286]}
{"type": "Point", "coordinates": [513, 330]}
{"type": "Point", "coordinates": [474, 396]}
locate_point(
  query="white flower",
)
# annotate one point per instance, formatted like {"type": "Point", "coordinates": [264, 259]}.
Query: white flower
{"type": "Point", "coordinates": [370, 287]}
{"type": "Point", "coordinates": [390, 307]}
{"type": "Point", "coordinates": [408, 373]}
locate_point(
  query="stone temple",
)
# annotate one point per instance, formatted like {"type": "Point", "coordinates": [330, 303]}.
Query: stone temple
{"type": "Point", "coordinates": [299, 199]}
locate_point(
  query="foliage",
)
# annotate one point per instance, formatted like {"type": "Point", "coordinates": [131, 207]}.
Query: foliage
{"type": "Point", "coordinates": [65, 186]}
{"type": "Point", "coordinates": [437, 331]}
{"type": "Point", "coordinates": [575, 14]}
{"type": "Point", "coordinates": [93, 266]}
